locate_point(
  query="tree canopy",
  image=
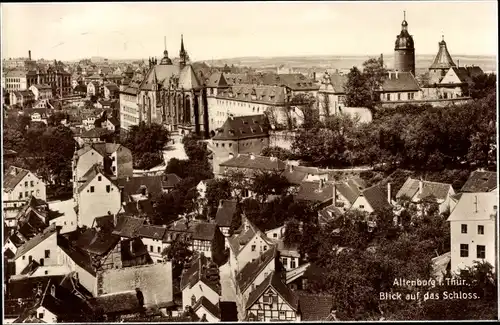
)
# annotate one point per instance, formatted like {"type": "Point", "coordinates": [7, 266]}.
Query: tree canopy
{"type": "Point", "coordinates": [146, 143]}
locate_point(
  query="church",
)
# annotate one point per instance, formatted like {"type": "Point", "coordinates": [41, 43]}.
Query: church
{"type": "Point", "coordinates": [169, 94]}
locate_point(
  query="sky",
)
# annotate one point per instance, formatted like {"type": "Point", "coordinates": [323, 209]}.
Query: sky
{"type": "Point", "coordinates": [217, 30]}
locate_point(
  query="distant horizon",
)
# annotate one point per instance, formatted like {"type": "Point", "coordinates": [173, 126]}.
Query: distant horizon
{"type": "Point", "coordinates": [226, 30]}
{"type": "Point", "coordinates": [257, 57]}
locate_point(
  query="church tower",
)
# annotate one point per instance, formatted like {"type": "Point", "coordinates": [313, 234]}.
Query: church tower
{"type": "Point", "coordinates": [166, 60]}
{"type": "Point", "coordinates": [404, 50]}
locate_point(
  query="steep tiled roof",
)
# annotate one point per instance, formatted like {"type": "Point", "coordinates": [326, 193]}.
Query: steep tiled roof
{"type": "Point", "coordinates": [217, 80]}
{"type": "Point", "coordinates": [204, 302]}
{"type": "Point", "coordinates": [274, 281]}
{"type": "Point", "coordinates": [204, 231]}
{"type": "Point", "coordinates": [294, 81]}
{"type": "Point", "coordinates": [188, 79]}
{"type": "Point", "coordinates": [376, 197]}
{"type": "Point", "coordinates": [238, 241]}
{"type": "Point", "coordinates": [199, 271]}
{"type": "Point", "coordinates": [314, 307]}
{"type": "Point", "coordinates": [96, 242]}
{"type": "Point", "coordinates": [95, 133]}
{"type": "Point", "coordinates": [255, 162]}
{"type": "Point", "coordinates": [316, 191]}
{"type": "Point", "coordinates": [475, 206]}
{"type": "Point", "coordinates": [13, 176]}
{"type": "Point", "coordinates": [170, 180]}
{"type": "Point", "coordinates": [400, 81]}
{"type": "Point", "coordinates": [297, 174]}
{"type": "Point", "coordinates": [35, 241]}
{"type": "Point", "coordinates": [443, 58]}
{"type": "Point", "coordinates": [160, 74]}
{"type": "Point", "coordinates": [225, 213]}
{"type": "Point", "coordinates": [242, 127]}
{"type": "Point", "coordinates": [153, 232]}
{"type": "Point", "coordinates": [133, 185]}
{"type": "Point", "coordinates": [411, 187]}
{"type": "Point", "coordinates": [336, 81]}
{"type": "Point", "coordinates": [480, 181]}
{"type": "Point", "coordinates": [271, 95]}
{"type": "Point", "coordinates": [112, 87]}
{"type": "Point", "coordinates": [251, 270]}
{"type": "Point", "coordinates": [154, 280]}
{"type": "Point", "coordinates": [128, 226]}
{"type": "Point", "coordinates": [81, 258]}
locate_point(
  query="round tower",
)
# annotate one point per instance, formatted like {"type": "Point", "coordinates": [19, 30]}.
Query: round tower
{"type": "Point", "coordinates": [404, 50]}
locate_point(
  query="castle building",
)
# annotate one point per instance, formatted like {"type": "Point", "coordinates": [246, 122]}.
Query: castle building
{"type": "Point", "coordinates": [441, 64]}
{"type": "Point", "coordinates": [168, 94]}
{"type": "Point", "coordinates": [404, 50]}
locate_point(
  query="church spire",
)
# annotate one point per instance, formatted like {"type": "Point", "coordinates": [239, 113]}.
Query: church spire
{"type": "Point", "coordinates": [183, 56]}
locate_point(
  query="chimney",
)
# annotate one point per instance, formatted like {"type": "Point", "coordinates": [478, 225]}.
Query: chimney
{"type": "Point", "coordinates": [29, 55]}
{"type": "Point", "coordinates": [334, 200]}
{"type": "Point", "coordinates": [458, 63]}
{"type": "Point", "coordinates": [389, 193]}
{"type": "Point", "coordinates": [420, 186]}
{"type": "Point", "coordinates": [382, 59]}
{"type": "Point", "coordinates": [321, 183]}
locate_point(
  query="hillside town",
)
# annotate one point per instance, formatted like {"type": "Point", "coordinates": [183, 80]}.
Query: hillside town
{"type": "Point", "coordinates": [166, 190]}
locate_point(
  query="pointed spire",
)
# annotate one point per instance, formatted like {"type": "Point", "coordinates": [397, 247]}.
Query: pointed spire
{"type": "Point", "coordinates": [182, 43]}
{"type": "Point", "coordinates": [443, 59]}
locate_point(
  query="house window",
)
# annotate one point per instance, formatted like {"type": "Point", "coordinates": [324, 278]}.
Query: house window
{"type": "Point", "coordinates": [26, 184]}
{"type": "Point", "coordinates": [399, 96]}
{"type": "Point", "coordinates": [91, 189]}
{"type": "Point", "coordinates": [47, 253]}
{"type": "Point", "coordinates": [361, 206]}
{"type": "Point", "coordinates": [293, 264]}
{"type": "Point", "coordinates": [230, 145]}
{"type": "Point", "coordinates": [267, 299]}
{"type": "Point", "coordinates": [193, 300]}
{"type": "Point", "coordinates": [265, 248]}
{"type": "Point", "coordinates": [32, 183]}
{"type": "Point", "coordinates": [26, 194]}
{"type": "Point", "coordinates": [151, 248]}
{"type": "Point", "coordinates": [275, 235]}
{"type": "Point", "coordinates": [108, 188]}
{"type": "Point", "coordinates": [40, 315]}
{"type": "Point", "coordinates": [481, 251]}
{"type": "Point", "coordinates": [253, 248]}
{"type": "Point", "coordinates": [20, 195]}
{"type": "Point", "coordinates": [480, 230]}
{"type": "Point", "coordinates": [99, 178]}
{"type": "Point", "coordinates": [223, 145]}
{"type": "Point", "coordinates": [24, 257]}
{"type": "Point", "coordinates": [159, 249]}
{"type": "Point", "coordinates": [464, 250]}
{"type": "Point", "coordinates": [114, 169]}
{"type": "Point", "coordinates": [388, 97]}
{"type": "Point", "coordinates": [464, 228]}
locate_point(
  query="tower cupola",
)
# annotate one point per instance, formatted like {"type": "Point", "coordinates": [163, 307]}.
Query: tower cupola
{"type": "Point", "coordinates": [404, 49]}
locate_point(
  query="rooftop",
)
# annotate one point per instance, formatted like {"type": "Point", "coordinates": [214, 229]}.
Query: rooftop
{"type": "Point", "coordinates": [242, 127]}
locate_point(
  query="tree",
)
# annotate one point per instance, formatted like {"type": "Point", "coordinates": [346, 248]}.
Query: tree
{"type": "Point", "coordinates": [146, 143]}
{"type": "Point", "coordinates": [306, 103]}
{"type": "Point", "coordinates": [266, 183]}
{"type": "Point", "coordinates": [357, 91]}
{"type": "Point", "coordinates": [217, 189]}
{"type": "Point", "coordinates": [179, 254]}
{"type": "Point", "coordinates": [374, 75]}
{"type": "Point", "coordinates": [56, 118]}
{"type": "Point", "coordinates": [482, 85]}
{"type": "Point", "coordinates": [195, 148]}
{"type": "Point", "coordinates": [278, 152]}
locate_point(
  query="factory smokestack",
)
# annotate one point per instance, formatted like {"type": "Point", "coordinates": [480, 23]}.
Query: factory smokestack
{"type": "Point", "coordinates": [29, 55]}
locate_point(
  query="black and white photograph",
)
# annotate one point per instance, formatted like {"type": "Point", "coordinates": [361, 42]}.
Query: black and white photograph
{"type": "Point", "coordinates": [267, 161]}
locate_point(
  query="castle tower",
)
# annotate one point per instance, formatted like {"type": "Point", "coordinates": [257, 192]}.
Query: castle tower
{"type": "Point", "coordinates": [441, 64]}
{"type": "Point", "coordinates": [404, 50]}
